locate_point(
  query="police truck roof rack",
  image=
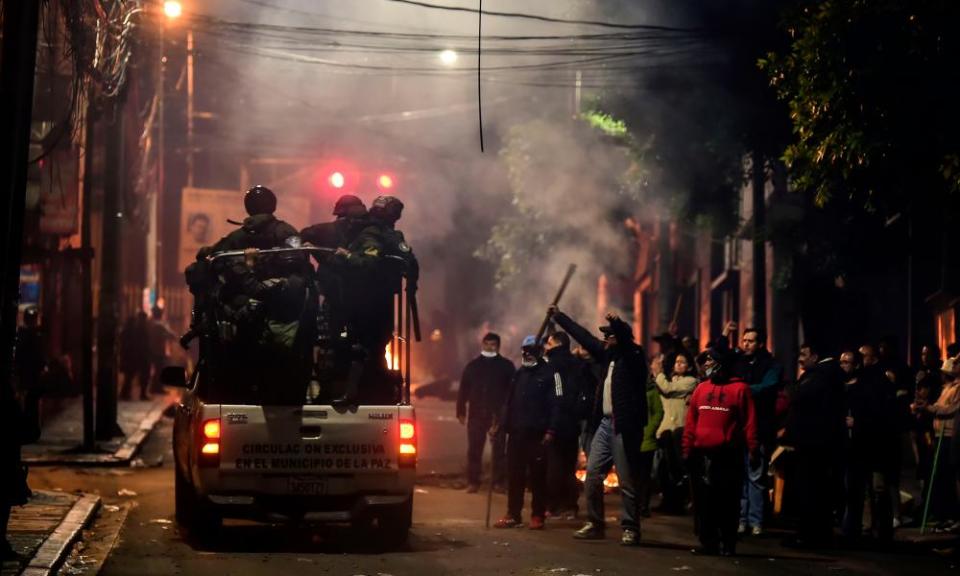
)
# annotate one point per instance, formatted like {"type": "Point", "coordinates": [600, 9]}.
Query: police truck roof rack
{"type": "Point", "coordinates": [242, 253]}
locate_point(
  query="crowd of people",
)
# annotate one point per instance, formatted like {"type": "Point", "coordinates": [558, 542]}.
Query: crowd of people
{"type": "Point", "coordinates": [706, 429]}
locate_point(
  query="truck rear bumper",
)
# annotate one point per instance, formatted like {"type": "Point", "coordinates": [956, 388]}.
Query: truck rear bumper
{"type": "Point", "coordinates": [311, 509]}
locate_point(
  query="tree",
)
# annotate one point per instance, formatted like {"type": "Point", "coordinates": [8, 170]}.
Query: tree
{"type": "Point", "coordinates": [872, 87]}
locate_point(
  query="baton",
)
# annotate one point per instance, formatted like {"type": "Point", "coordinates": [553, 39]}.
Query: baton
{"type": "Point", "coordinates": [563, 287]}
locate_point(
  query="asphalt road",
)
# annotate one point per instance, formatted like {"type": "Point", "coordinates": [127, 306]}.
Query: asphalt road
{"type": "Point", "coordinates": [135, 535]}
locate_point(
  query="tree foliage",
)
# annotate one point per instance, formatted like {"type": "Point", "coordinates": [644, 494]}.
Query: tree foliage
{"type": "Point", "coordinates": [872, 88]}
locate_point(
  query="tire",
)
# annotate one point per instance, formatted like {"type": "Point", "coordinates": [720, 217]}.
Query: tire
{"type": "Point", "coordinates": [199, 520]}
{"type": "Point", "coordinates": [393, 525]}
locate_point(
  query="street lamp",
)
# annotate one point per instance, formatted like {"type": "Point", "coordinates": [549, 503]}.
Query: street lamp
{"type": "Point", "coordinates": [172, 9]}
{"type": "Point", "coordinates": [448, 57]}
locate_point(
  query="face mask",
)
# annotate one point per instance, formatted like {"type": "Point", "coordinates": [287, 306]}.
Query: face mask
{"type": "Point", "coordinates": [711, 370]}
{"type": "Point", "coordinates": [488, 354]}
{"type": "Point", "coordinates": [528, 363]}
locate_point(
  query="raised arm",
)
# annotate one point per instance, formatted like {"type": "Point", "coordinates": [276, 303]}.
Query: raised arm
{"type": "Point", "coordinates": [590, 343]}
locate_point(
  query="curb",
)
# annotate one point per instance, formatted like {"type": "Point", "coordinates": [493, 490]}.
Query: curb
{"type": "Point", "coordinates": [123, 455]}
{"type": "Point", "coordinates": [54, 550]}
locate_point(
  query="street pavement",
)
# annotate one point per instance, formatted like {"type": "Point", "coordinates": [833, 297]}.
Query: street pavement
{"type": "Point", "coordinates": [135, 534]}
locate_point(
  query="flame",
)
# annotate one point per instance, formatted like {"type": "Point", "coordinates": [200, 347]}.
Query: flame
{"type": "Point", "coordinates": [611, 482]}
{"type": "Point", "coordinates": [393, 362]}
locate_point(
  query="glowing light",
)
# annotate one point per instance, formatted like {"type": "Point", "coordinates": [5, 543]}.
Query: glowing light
{"type": "Point", "coordinates": [172, 9]}
{"type": "Point", "coordinates": [211, 448]}
{"type": "Point", "coordinates": [448, 57]}
{"type": "Point", "coordinates": [211, 429]}
{"type": "Point", "coordinates": [393, 363]}
{"type": "Point", "coordinates": [407, 431]}
{"type": "Point", "coordinates": [408, 449]}
{"type": "Point", "coordinates": [385, 181]}
{"type": "Point", "coordinates": [337, 180]}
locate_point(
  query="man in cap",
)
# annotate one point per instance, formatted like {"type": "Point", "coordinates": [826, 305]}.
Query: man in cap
{"type": "Point", "coordinates": [620, 414]}
{"type": "Point", "coordinates": [531, 417]}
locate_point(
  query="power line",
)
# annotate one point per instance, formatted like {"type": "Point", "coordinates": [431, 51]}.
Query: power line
{"type": "Point", "coordinates": [537, 17]}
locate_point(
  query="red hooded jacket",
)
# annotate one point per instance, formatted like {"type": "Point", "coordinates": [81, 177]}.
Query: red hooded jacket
{"type": "Point", "coordinates": [720, 415]}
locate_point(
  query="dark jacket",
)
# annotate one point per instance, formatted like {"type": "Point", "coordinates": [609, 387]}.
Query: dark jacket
{"type": "Point", "coordinates": [871, 402]}
{"type": "Point", "coordinates": [763, 374]}
{"type": "Point", "coordinates": [572, 371]}
{"type": "Point", "coordinates": [816, 416]}
{"type": "Point", "coordinates": [484, 387]}
{"type": "Point", "coordinates": [630, 375]}
{"type": "Point", "coordinates": [535, 401]}
{"type": "Point", "coordinates": [337, 234]}
{"type": "Point", "coordinates": [262, 231]}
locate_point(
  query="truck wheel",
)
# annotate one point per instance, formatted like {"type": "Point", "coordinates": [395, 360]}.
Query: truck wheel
{"type": "Point", "coordinates": [394, 524]}
{"type": "Point", "coordinates": [200, 522]}
{"type": "Point", "coordinates": [182, 497]}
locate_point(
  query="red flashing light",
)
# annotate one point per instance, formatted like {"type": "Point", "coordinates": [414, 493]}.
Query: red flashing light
{"type": "Point", "coordinates": [385, 181]}
{"type": "Point", "coordinates": [337, 180]}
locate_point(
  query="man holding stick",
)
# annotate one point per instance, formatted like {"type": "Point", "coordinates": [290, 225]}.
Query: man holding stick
{"type": "Point", "coordinates": [620, 414]}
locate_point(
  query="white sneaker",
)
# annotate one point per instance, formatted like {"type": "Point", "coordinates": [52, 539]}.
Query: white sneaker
{"type": "Point", "coordinates": [742, 529]}
{"type": "Point", "coordinates": [756, 531]}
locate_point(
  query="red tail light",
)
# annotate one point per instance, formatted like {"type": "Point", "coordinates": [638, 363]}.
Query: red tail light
{"type": "Point", "coordinates": [210, 443]}
{"type": "Point", "coordinates": [408, 444]}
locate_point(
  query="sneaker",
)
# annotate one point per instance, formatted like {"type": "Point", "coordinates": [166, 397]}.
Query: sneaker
{"type": "Point", "coordinates": [756, 531]}
{"type": "Point", "coordinates": [630, 538]}
{"type": "Point", "coordinates": [590, 531]}
{"type": "Point", "coordinates": [742, 529]}
{"type": "Point", "coordinates": [507, 522]}
{"type": "Point", "coordinates": [472, 489]}
{"type": "Point", "coordinates": [536, 523]}
{"type": "Point", "coordinates": [896, 523]}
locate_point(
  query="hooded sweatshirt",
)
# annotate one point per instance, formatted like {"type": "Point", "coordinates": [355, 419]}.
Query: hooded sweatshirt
{"type": "Point", "coordinates": [720, 416]}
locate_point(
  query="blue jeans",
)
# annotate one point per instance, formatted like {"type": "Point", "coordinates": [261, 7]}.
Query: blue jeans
{"type": "Point", "coordinates": [754, 491]}
{"type": "Point", "coordinates": [608, 449]}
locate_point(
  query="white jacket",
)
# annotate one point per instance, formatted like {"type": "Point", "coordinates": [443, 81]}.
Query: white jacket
{"type": "Point", "coordinates": [675, 393]}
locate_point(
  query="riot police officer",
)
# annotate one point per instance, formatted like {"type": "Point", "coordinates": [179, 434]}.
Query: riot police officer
{"type": "Point", "coordinates": [261, 229]}
{"type": "Point", "coordinates": [381, 238]}
{"type": "Point", "coordinates": [351, 218]}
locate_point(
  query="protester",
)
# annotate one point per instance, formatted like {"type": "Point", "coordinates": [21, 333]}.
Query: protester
{"type": "Point", "coordinates": [929, 381]}
{"type": "Point", "coordinates": [720, 426]}
{"type": "Point", "coordinates": [757, 367]}
{"type": "Point", "coordinates": [943, 492]}
{"type": "Point", "coordinates": [898, 373]}
{"type": "Point", "coordinates": [30, 363]}
{"type": "Point", "coordinates": [159, 335]}
{"type": "Point", "coordinates": [648, 448]}
{"type": "Point", "coordinates": [13, 477]}
{"type": "Point", "coordinates": [675, 392]}
{"type": "Point", "coordinates": [135, 355]}
{"type": "Point", "coordinates": [815, 429]}
{"type": "Point", "coordinates": [484, 386]}
{"type": "Point", "coordinates": [563, 489]}
{"type": "Point", "coordinates": [531, 417]}
{"type": "Point", "coordinates": [622, 412]}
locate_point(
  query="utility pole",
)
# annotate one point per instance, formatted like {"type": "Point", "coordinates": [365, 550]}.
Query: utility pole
{"type": "Point", "coordinates": [114, 179]}
{"type": "Point", "coordinates": [86, 276]}
{"type": "Point", "coordinates": [759, 243]}
{"type": "Point", "coordinates": [190, 109]}
{"type": "Point", "coordinates": [17, 70]}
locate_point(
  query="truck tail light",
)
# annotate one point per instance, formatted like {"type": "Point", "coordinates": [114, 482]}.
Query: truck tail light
{"type": "Point", "coordinates": [210, 443]}
{"type": "Point", "coordinates": [408, 444]}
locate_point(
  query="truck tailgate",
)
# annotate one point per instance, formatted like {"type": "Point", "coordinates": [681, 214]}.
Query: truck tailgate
{"type": "Point", "coordinates": [309, 440]}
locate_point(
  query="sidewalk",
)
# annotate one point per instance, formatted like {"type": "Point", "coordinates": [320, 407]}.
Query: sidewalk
{"type": "Point", "coordinates": [62, 435]}
{"type": "Point", "coordinates": [44, 530]}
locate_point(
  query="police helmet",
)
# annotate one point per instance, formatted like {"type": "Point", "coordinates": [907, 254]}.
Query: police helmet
{"type": "Point", "coordinates": [386, 208]}
{"type": "Point", "coordinates": [349, 205]}
{"type": "Point", "coordinates": [260, 200]}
